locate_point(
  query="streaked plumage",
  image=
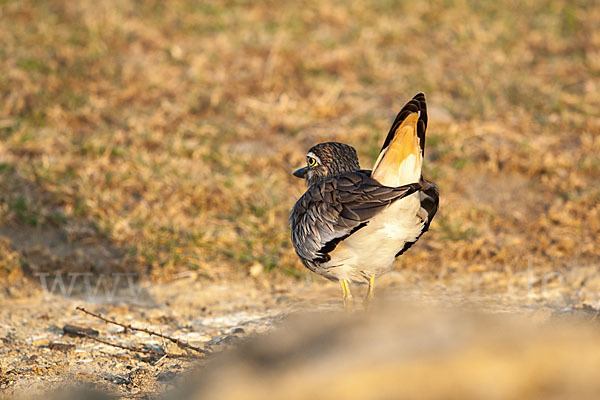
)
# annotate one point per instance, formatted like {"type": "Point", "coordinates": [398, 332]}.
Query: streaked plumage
{"type": "Point", "coordinates": [351, 223]}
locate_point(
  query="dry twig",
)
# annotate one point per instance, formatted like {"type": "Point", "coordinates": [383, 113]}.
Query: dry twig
{"type": "Point", "coordinates": [180, 344]}
{"type": "Point", "coordinates": [140, 350]}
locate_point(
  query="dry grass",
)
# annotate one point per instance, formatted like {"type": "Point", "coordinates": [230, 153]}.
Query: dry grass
{"type": "Point", "coordinates": [168, 130]}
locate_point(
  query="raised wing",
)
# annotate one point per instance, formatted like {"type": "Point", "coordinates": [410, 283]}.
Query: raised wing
{"type": "Point", "coordinates": [416, 105]}
{"type": "Point", "coordinates": [401, 156]}
{"type": "Point", "coordinates": [333, 209]}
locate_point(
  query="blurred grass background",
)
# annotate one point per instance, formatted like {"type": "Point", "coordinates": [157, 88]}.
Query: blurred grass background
{"type": "Point", "coordinates": [159, 136]}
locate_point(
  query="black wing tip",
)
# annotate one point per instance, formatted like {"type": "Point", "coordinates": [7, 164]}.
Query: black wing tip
{"type": "Point", "coordinates": [419, 96]}
{"type": "Point", "coordinates": [417, 104]}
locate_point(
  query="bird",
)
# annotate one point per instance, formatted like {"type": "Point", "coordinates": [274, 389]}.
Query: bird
{"type": "Point", "coordinates": [351, 223]}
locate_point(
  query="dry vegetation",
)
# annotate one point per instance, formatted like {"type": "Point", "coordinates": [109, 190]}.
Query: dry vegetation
{"type": "Point", "coordinates": [171, 127]}
{"type": "Point", "coordinates": [158, 137]}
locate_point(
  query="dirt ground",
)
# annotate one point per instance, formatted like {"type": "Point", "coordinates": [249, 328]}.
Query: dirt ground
{"type": "Point", "coordinates": [147, 147]}
{"type": "Point", "coordinates": [37, 356]}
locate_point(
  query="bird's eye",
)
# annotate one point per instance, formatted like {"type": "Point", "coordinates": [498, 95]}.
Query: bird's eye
{"type": "Point", "coordinates": [311, 161]}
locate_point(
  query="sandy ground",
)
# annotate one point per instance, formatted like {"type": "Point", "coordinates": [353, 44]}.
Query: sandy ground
{"type": "Point", "coordinates": [37, 356]}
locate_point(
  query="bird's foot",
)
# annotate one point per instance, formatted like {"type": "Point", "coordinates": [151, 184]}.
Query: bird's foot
{"type": "Point", "coordinates": [348, 303]}
{"type": "Point", "coordinates": [346, 295]}
{"type": "Point", "coordinates": [370, 293]}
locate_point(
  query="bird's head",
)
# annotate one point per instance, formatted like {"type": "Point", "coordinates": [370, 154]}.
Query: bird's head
{"type": "Point", "coordinates": [328, 159]}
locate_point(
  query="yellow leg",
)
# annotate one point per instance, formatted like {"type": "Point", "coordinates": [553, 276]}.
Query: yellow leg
{"type": "Point", "coordinates": [343, 286]}
{"type": "Point", "coordinates": [346, 294]}
{"type": "Point", "coordinates": [370, 291]}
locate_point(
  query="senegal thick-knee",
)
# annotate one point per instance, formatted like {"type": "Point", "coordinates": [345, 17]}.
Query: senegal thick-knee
{"type": "Point", "coordinates": [351, 223]}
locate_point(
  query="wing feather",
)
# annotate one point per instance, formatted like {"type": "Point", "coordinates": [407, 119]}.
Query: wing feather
{"type": "Point", "coordinates": [335, 208]}
{"type": "Point", "coordinates": [430, 199]}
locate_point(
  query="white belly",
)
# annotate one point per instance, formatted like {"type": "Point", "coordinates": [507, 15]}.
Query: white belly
{"type": "Point", "coordinates": [372, 249]}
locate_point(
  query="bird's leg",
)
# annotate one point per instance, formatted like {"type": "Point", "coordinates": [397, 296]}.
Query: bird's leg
{"type": "Point", "coordinates": [346, 294]}
{"type": "Point", "coordinates": [370, 290]}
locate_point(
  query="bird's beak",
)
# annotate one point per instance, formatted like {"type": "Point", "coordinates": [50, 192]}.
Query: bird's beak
{"type": "Point", "coordinates": [301, 173]}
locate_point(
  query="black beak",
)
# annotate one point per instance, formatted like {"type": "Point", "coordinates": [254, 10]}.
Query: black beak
{"type": "Point", "coordinates": [301, 173]}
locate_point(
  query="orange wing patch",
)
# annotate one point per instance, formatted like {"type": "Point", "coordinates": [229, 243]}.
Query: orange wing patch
{"type": "Point", "coordinates": [400, 163]}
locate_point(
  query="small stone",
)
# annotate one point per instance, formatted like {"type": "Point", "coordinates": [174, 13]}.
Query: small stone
{"type": "Point", "coordinates": [176, 52]}
{"type": "Point", "coordinates": [64, 347]}
{"type": "Point", "coordinates": [166, 376]}
{"type": "Point", "coordinates": [256, 269]}
{"type": "Point", "coordinates": [78, 331]}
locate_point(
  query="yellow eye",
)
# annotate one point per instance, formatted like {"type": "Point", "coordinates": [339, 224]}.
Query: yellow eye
{"type": "Point", "coordinates": [311, 161]}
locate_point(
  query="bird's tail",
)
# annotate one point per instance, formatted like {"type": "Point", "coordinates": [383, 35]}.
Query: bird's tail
{"type": "Point", "coordinates": [401, 157]}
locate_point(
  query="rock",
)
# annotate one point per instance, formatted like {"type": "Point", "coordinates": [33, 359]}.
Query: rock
{"type": "Point", "coordinates": [64, 347]}
{"type": "Point", "coordinates": [78, 331]}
